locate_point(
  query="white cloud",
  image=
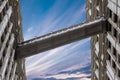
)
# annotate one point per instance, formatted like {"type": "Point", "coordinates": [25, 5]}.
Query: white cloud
{"type": "Point", "coordinates": [30, 29]}
{"type": "Point", "coordinates": [65, 76]}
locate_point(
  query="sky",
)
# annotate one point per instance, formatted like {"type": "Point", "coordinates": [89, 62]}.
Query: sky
{"type": "Point", "coordinates": [40, 17]}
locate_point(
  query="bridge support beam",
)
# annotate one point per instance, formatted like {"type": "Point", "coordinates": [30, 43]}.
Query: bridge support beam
{"type": "Point", "coordinates": [60, 38]}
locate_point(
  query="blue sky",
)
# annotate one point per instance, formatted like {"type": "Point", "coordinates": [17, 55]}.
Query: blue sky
{"type": "Point", "coordinates": [43, 16]}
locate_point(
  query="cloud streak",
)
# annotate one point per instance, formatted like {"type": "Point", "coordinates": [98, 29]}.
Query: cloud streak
{"type": "Point", "coordinates": [65, 76]}
{"type": "Point", "coordinates": [57, 55]}
{"type": "Point", "coordinates": [58, 16]}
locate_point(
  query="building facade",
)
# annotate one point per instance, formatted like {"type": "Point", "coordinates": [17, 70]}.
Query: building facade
{"type": "Point", "coordinates": [10, 35]}
{"type": "Point", "coordinates": [106, 46]}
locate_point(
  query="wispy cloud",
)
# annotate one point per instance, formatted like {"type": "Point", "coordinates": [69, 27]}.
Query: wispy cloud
{"type": "Point", "coordinates": [29, 29]}
{"type": "Point", "coordinates": [56, 17]}
{"type": "Point", "coordinates": [47, 56]}
{"type": "Point", "coordinates": [65, 76]}
{"type": "Point", "coordinates": [55, 54]}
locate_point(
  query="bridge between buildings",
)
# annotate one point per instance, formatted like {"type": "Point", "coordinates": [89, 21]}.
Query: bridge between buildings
{"type": "Point", "coordinates": [60, 38]}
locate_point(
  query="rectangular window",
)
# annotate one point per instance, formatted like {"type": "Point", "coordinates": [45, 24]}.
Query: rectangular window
{"type": "Point", "coordinates": [4, 52]}
{"type": "Point", "coordinates": [108, 56]}
{"type": "Point", "coordinates": [0, 44]}
{"type": "Point", "coordinates": [97, 2]}
{"type": "Point", "coordinates": [119, 73]}
{"type": "Point", "coordinates": [2, 38]}
{"type": "Point", "coordinates": [4, 11]}
{"type": "Point", "coordinates": [108, 78]}
{"type": "Point", "coordinates": [113, 65]}
{"type": "Point", "coordinates": [115, 33]}
{"type": "Point", "coordinates": [114, 52]}
{"type": "Point", "coordinates": [7, 6]}
{"type": "Point", "coordinates": [115, 19]}
{"type": "Point", "coordinates": [6, 30]}
{"type": "Point", "coordinates": [97, 13]}
{"type": "Point", "coordinates": [97, 38]}
{"type": "Point", "coordinates": [1, 17]}
{"type": "Point", "coordinates": [109, 45]}
{"type": "Point", "coordinates": [110, 13]}
{"type": "Point", "coordinates": [1, 62]}
{"type": "Point", "coordinates": [119, 38]}
{"type": "Point", "coordinates": [119, 22]}
{"type": "Point", "coordinates": [119, 58]}
{"type": "Point", "coordinates": [109, 27]}
{"type": "Point", "coordinates": [0, 2]}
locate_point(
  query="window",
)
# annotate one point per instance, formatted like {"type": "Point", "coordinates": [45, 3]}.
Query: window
{"type": "Point", "coordinates": [97, 38]}
{"type": "Point", "coordinates": [109, 27]}
{"type": "Point", "coordinates": [109, 44]}
{"type": "Point", "coordinates": [6, 30]}
{"type": "Point", "coordinates": [1, 17]}
{"type": "Point", "coordinates": [109, 58]}
{"type": "Point", "coordinates": [119, 58]}
{"type": "Point", "coordinates": [0, 2]}
{"type": "Point", "coordinates": [108, 78]}
{"type": "Point", "coordinates": [115, 33]}
{"type": "Point", "coordinates": [97, 2]}
{"type": "Point", "coordinates": [119, 22]}
{"type": "Point", "coordinates": [115, 18]}
{"type": "Point", "coordinates": [1, 62]}
{"type": "Point", "coordinates": [119, 38]}
{"type": "Point", "coordinates": [110, 13]}
{"type": "Point", "coordinates": [4, 11]}
{"type": "Point", "coordinates": [97, 13]}
{"type": "Point", "coordinates": [4, 52]}
{"type": "Point", "coordinates": [113, 65]}
{"type": "Point", "coordinates": [7, 6]}
{"type": "Point", "coordinates": [114, 52]}
{"type": "Point", "coordinates": [119, 73]}
{"type": "Point", "coordinates": [7, 44]}
{"type": "Point", "coordinates": [2, 38]}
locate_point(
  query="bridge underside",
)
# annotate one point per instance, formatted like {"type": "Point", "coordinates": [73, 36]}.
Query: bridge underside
{"type": "Point", "coordinates": [59, 38]}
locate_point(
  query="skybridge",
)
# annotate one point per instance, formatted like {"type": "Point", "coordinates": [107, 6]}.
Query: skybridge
{"type": "Point", "coordinates": [60, 38]}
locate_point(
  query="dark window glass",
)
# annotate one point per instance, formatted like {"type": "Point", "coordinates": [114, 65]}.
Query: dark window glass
{"type": "Point", "coordinates": [115, 18]}
{"type": "Point", "coordinates": [109, 44]}
{"type": "Point", "coordinates": [115, 33]}
{"type": "Point", "coordinates": [119, 58]}
{"type": "Point", "coordinates": [109, 27]}
{"type": "Point", "coordinates": [118, 73]}
{"type": "Point", "coordinates": [113, 65]}
{"type": "Point", "coordinates": [110, 13]}
{"type": "Point", "coordinates": [114, 52]}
